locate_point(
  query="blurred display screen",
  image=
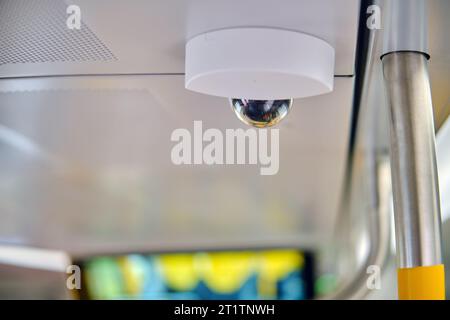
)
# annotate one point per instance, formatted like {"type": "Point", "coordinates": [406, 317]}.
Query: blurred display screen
{"type": "Point", "coordinates": [234, 275]}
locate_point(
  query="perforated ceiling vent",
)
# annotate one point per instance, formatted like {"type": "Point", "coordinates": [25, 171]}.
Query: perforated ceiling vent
{"type": "Point", "coordinates": [35, 31]}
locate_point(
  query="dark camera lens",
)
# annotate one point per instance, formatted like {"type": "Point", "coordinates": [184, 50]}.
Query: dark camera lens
{"type": "Point", "coordinates": [261, 113]}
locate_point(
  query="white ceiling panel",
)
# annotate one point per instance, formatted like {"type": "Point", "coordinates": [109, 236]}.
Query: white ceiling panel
{"type": "Point", "coordinates": [86, 117]}
{"type": "Point", "coordinates": [149, 36]}
{"type": "Point", "coordinates": [85, 166]}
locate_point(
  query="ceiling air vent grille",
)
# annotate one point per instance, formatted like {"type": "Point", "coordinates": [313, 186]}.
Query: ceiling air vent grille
{"type": "Point", "coordinates": [35, 31]}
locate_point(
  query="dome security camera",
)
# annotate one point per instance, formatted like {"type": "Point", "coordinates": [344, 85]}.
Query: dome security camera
{"type": "Point", "coordinates": [261, 113]}
{"type": "Point", "coordinates": [261, 69]}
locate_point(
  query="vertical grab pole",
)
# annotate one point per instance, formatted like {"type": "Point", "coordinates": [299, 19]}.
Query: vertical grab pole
{"type": "Point", "coordinates": [413, 156]}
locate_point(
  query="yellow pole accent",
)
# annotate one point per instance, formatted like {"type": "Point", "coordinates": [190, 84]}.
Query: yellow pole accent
{"type": "Point", "coordinates": [421, 283]}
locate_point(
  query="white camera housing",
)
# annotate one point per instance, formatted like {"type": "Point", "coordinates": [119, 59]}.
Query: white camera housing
{"type": "Point", "coordinates": [259, 63]}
